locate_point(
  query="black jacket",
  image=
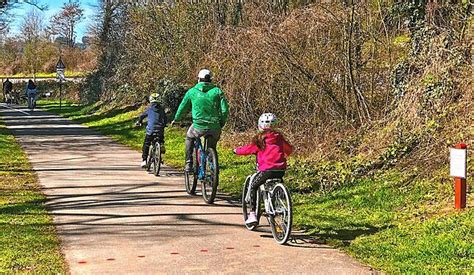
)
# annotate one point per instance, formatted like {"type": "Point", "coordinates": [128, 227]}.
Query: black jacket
{"type": "Point", "coordinates": [157, 119]}
{"type": "Point", "coordinates": [7, 86]}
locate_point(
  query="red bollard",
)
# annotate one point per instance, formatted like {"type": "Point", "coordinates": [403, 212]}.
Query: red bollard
{"type": "Point", "coordinates": [460, 185]}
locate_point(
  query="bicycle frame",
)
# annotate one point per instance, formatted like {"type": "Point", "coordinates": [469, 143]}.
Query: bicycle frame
{"type": "Point", "coordinates": [201, 157]}
{"type": "Point", "coordinates": [266, 190]}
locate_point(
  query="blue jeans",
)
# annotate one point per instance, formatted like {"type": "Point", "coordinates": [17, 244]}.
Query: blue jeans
{"type": "Point", "coordinates": [31, 98]}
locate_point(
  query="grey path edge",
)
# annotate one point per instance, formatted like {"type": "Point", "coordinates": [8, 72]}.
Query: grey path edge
{"type": "Point", "coordinates": [114, 218]}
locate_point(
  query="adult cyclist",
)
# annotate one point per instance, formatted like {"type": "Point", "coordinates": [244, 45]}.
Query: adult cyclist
{"type": "Point", "coordinates": [209, 109]}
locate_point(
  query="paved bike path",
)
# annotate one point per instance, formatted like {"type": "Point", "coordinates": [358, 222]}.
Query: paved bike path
{"type": "Point", "coordinates": [114, 218]}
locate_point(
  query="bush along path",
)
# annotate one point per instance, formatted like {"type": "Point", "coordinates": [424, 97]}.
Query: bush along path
{"type": "Point", "coordinates": [28, 241]}
{"type": "Point", "coordinates": [389, 219]}
{"type": "Point", "coordinates": [113, 217]}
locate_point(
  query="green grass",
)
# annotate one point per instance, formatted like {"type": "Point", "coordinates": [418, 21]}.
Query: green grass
{"type": "Point", "coordinates": [28, 241]}
{"type": "Point", "coordinates": [393, 224]}
{"type": "Point", "coordinates": [391, 221]}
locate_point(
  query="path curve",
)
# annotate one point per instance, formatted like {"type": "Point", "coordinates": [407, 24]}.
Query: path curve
{"type": "Point", "coordinates": [113, 218]}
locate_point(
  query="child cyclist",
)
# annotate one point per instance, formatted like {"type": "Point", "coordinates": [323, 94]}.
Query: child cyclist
{"type": "Point", "coordinates": [271, 150]}
{"type": "Point", "coordinates": [156, 123]}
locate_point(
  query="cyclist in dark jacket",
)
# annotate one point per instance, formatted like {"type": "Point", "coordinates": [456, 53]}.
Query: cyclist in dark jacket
{"type": "Point", "coordinates": [156, 124]}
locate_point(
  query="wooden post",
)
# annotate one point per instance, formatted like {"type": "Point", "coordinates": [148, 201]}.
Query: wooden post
{"type": "Point", "coordinates": [460, 185]}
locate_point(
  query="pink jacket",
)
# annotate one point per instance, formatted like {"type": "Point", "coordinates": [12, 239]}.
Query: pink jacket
{"type": "Point", "coordinates": [274, 155]}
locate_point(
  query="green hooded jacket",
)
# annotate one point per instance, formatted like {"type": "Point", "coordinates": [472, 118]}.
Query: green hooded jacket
{"type": "Point", "coordinates": [209, 106]}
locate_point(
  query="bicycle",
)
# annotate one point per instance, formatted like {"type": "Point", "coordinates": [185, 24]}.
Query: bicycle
{"type": "Point", "coordinates": [153, 162]}
{"type": "Point", "coordinates": [205, 169]}
{"type": "Point", "coordinates": [277, 207]}
{"type": "Point", "coordinates": [154, 159]}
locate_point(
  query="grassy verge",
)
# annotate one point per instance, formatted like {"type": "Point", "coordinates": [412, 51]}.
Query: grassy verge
{"type": "Point", "coordinates": [394, 224]}
{"type": "Point", "coordinates": [389, 220]}
{"type": "Point", "coordinates": [28, 239]}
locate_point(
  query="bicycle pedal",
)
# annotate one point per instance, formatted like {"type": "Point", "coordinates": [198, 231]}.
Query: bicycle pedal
{"type": "Point", "coordinates": [279, 229]}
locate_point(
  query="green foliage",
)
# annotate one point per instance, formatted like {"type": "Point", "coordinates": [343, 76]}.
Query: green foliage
{"type": "Point", "coordinates": [402, 145]}
{"type": "Point", "coordinates": [171, 94]}
{"type": "Point", "coordinates": [401, 39]}
{"type": "Point", "coordinates": [399, 80]}
{"type": "Point", "coordinates": [310, 176]}
{"type": "Point", "coordinates": [28, 241]}
{"type": "Point", "coordinates": [410, 13]}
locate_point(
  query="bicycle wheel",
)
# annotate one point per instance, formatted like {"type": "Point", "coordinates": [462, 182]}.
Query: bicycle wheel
{"type": "Point", "coordinates": [190, 179]}
{"type": "Point", "coordinates": [149, 160]}
{"type": "Point", "coordinates": [246, 206]}
{"type": "Point", "coordinates": [211, 179]}
{"type": "Point", "coordinates": [157, 159]}
{"type": "Point", "coordinates": [281, 221]}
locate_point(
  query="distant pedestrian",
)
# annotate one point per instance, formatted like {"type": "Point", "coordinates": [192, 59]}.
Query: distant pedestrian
{"type": "Point", "coordinates": [7, 89]}
{"type": "Point", "coordinates": [31, 92]}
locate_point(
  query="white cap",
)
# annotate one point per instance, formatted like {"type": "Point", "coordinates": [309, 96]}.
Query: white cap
{"type": "Point", "coordinates": [205, 74]}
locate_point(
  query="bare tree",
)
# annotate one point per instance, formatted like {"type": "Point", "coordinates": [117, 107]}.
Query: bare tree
{"type": "Point", "coordinates": [31, 30]}
{"type": "Point", "coordinates": [32, 25]}
{"type": "Point", "coordinates": [64, 23]}
{"type": "Point", "coordinates": [5, 5]}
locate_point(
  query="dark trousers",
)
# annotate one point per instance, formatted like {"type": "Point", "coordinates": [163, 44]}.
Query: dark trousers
{"type": "Point", "coordinates": [258, 179]}
{"type": "Point", "coordinates": [160, 135]}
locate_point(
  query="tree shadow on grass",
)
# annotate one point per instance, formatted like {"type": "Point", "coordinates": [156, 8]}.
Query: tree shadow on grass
{"type": "Point", "coordinates": [339, 231]}
{"type": "Point", "coordinates": [344, 236]}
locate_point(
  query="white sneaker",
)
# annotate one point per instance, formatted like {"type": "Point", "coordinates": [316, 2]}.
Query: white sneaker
{"type": "Point", "coordinates": [143, 165]}
{"type": "Point", "coordinates": [251, 219]}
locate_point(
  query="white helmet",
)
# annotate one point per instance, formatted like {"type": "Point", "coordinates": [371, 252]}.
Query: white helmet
{"type": "Point", "coordinates": [205, 74]}
{"type": "Point", "coordinates": [267, 121]}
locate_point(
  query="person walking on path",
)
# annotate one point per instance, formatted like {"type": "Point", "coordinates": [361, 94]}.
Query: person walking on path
{"type": "Point", "coordinates": [7, 89]}
{"type": "Point", "coordinates": [209, 109]}
{"type": "Point", "coordinates": [31, 92]}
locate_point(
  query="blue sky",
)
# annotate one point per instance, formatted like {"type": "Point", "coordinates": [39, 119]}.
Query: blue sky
{"type": "Point", "coordinates": [54, 6]}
